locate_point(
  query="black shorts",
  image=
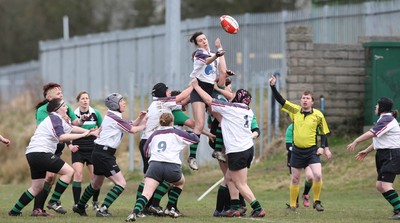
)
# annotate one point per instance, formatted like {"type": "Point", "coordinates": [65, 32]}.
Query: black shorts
{"type": "Point", "coordinates": [240, 160]}
{"type": "Point", "coordinates": [160, 171]}
{"type": "Point", "coordinates": [207, 87]}
{"type": "Point", "coordinates": [104, 161]}
{"type": "Point", "coordinates": [82, 156]}
{"type": "Point", "coordinates": [301, 158]}
{"type": "Point", "coordinates": [40, 163]}
{"type": "Point", "coordinates": [144, 158]}
{"type": "Point", "coordinates": [387, 164]}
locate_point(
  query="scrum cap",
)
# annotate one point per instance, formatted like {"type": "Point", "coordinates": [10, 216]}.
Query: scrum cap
{"type": "Point", "coordinates": [112, 101]}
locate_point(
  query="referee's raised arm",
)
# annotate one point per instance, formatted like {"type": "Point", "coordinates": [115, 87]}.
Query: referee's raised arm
{"type": "Point", "coordinates": [278, 97]}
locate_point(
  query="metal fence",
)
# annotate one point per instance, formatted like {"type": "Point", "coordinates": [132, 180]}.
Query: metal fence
{"type": "Point", "coordinates": [17, 78]}
{"type": "Point", "coordinates": [132, 61]}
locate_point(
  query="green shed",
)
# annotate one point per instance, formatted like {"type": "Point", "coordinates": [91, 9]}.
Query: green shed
{"type": "Point", "coordinates": [382, 65]}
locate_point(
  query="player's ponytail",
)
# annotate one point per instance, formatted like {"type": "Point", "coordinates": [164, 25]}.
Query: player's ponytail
{"type": "Point", "coordinates": [166, 119]}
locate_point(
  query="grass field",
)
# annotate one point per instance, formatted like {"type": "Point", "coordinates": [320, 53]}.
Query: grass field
{"type": "Point", "coordinates": [348, 195]}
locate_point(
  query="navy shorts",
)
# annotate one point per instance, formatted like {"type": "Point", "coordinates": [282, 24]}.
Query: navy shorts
{"type": "Point", "coordinates": [162, 171]}
{"type": "Point", "coordinates": [207, 87]}
{"type": "Point", "coordinates": [40, 163]}
{"type": "Point", "coordinates": [240, 160]}
{"type": "Point", "coordinates": [301, 158]}
{"type": "Point", "coordinates": [104, 161]}
{"type": "Point", "coordinates": [82, 156]}
{"type": "Point", "coordinates": [387, 164]}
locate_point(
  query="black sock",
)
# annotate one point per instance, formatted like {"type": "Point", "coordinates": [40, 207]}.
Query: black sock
{"type": "Point", "coordinates": [220, 198]}
{"type": "Point", "coordinates": [24, 200]}
{"type": "Point", "coordinates": [87, 194]}
{"type": "Point", "coordinates": [76, 191]}
{"type": "Point", "coordinates": [112, 195]}
{"type": "Point", "coordinates": [227, 199]}
{"type": "Point", "coordinates": [41, 198]}
{"type": "Point", "coordinates": [255, 205]}
{"type": "Point", "coordinates": [219, 143]}
{"type": "Point", "coordinates": [393, 198]}
{"type": "Point", "coordinates": [141, 202]}
{"type": "Point", "coordinates": [96, 195]}
{"type": "Point", "coordinates": [58, 190]}
{"type": "Point", "coordinates": [160, 191]}
{"type": "Point", "coordinates": [242, 201]}
{"type": "Point", "coordinates": [193, 149]}
{"type": "Point", "coordinates": [173, 196]}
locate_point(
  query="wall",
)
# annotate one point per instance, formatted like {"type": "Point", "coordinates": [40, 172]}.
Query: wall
{"type": "Point", "coordinates": [335, 71]}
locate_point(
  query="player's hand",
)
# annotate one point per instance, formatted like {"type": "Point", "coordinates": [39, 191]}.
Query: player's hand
{"type": "Point", "coordinates": [73, 148]}
{"type": "Point", "coordinates": [320, 151]}
{"type": "Point", "coordinates": [6, 141]}
{"type": "Point", "coordinates": [194, 83]}
{"type": "Point", "coordinates": [212, 137]}
{"type": "Point", "coordinates": [142, 114]}
{"type": "Point", "coordinates": [218, 43]}
{"type": "Point", "coordinates": [328, 153]}
{"type": "Point", "coordinates": [361, 155]}
{"type": "Point", "coordinates": [84, 117]}
{"type": "Point", "coordinates": [230, 73]}
{"type": "Point", "coordinates": [220, 53]}
{"type": "Point", "coordinates": [352, 146]}
{"type": "Point", "coordinates": [94, 132]}
{"type": "Point", "coordinates": [272, 80]}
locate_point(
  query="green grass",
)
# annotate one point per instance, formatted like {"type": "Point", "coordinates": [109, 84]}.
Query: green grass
{"type": "Point", "coordinates": [348, 194]}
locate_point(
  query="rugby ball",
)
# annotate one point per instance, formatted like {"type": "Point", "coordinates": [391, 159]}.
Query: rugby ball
{"type": "Point", "coordinates": [229, 24]}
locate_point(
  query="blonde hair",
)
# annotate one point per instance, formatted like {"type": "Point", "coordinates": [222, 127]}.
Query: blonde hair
{"type": "Point", "coordinates": [51, 92]}
{"type": "Point", "coordinates": [166, 119]}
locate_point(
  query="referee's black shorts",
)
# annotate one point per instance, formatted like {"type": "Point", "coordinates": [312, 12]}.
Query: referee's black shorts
{"type": "Point", "coordinates": [301, 158]}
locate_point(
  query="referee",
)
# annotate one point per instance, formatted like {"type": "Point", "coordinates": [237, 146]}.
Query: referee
{"type": "Point", "coordinates": [308, 122]}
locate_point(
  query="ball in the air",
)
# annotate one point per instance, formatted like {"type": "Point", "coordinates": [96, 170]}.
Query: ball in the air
{"type": "Point", "coordinates": [229, 24]}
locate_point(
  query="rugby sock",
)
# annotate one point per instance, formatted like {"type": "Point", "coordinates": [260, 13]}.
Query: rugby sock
{"type": "Point", "coordinates": [41, 198]}
{"type": "Point", "coordinates": [393, 198]}
{"type": "Point", "coordinates": [242, 201]}
{"type": "Point", "coordinates": [160, 191]}
{"type": "Point", "coordinates": [220, 198]}
{"type": "Point", "coordinates": [58, 191]}
{"type": "Point", "coordinates": [139, 190]}
{"type": "Point", "coordinates": [317, 187]}
{"type": "Point", "coordinates": [307, 187]}
{"type": "Point", "coordinates": [173, 196]}
{"type": "Point", "coordinates": [219, 143]}
{"type": "Point", "coordinates": [87, 194]}
{"type": "Point", "coordinates": [141, 202]}
{"type": "Point", "coordinates": [96, 195]}
{"type": "Point", "coordinates": [76, 191]}
{"type": "Point", "coordinates": [294, 193]}
{"type": "Point", "coordinates": [255, 205]}
{"type": "Point", "coordinates": [193, 149]}
{"type": "Point", "coordinates": [24, 200]}
{"type": "Point", "coordinates": [227, 199]}
{"type": "Point", "coordinates": [111, 196]}
{"type": "Point", "coordinates": [235, 204]}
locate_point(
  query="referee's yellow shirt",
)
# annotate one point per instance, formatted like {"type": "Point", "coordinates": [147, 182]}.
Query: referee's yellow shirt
{"type": "Point", "coordinates": [305, 128]}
